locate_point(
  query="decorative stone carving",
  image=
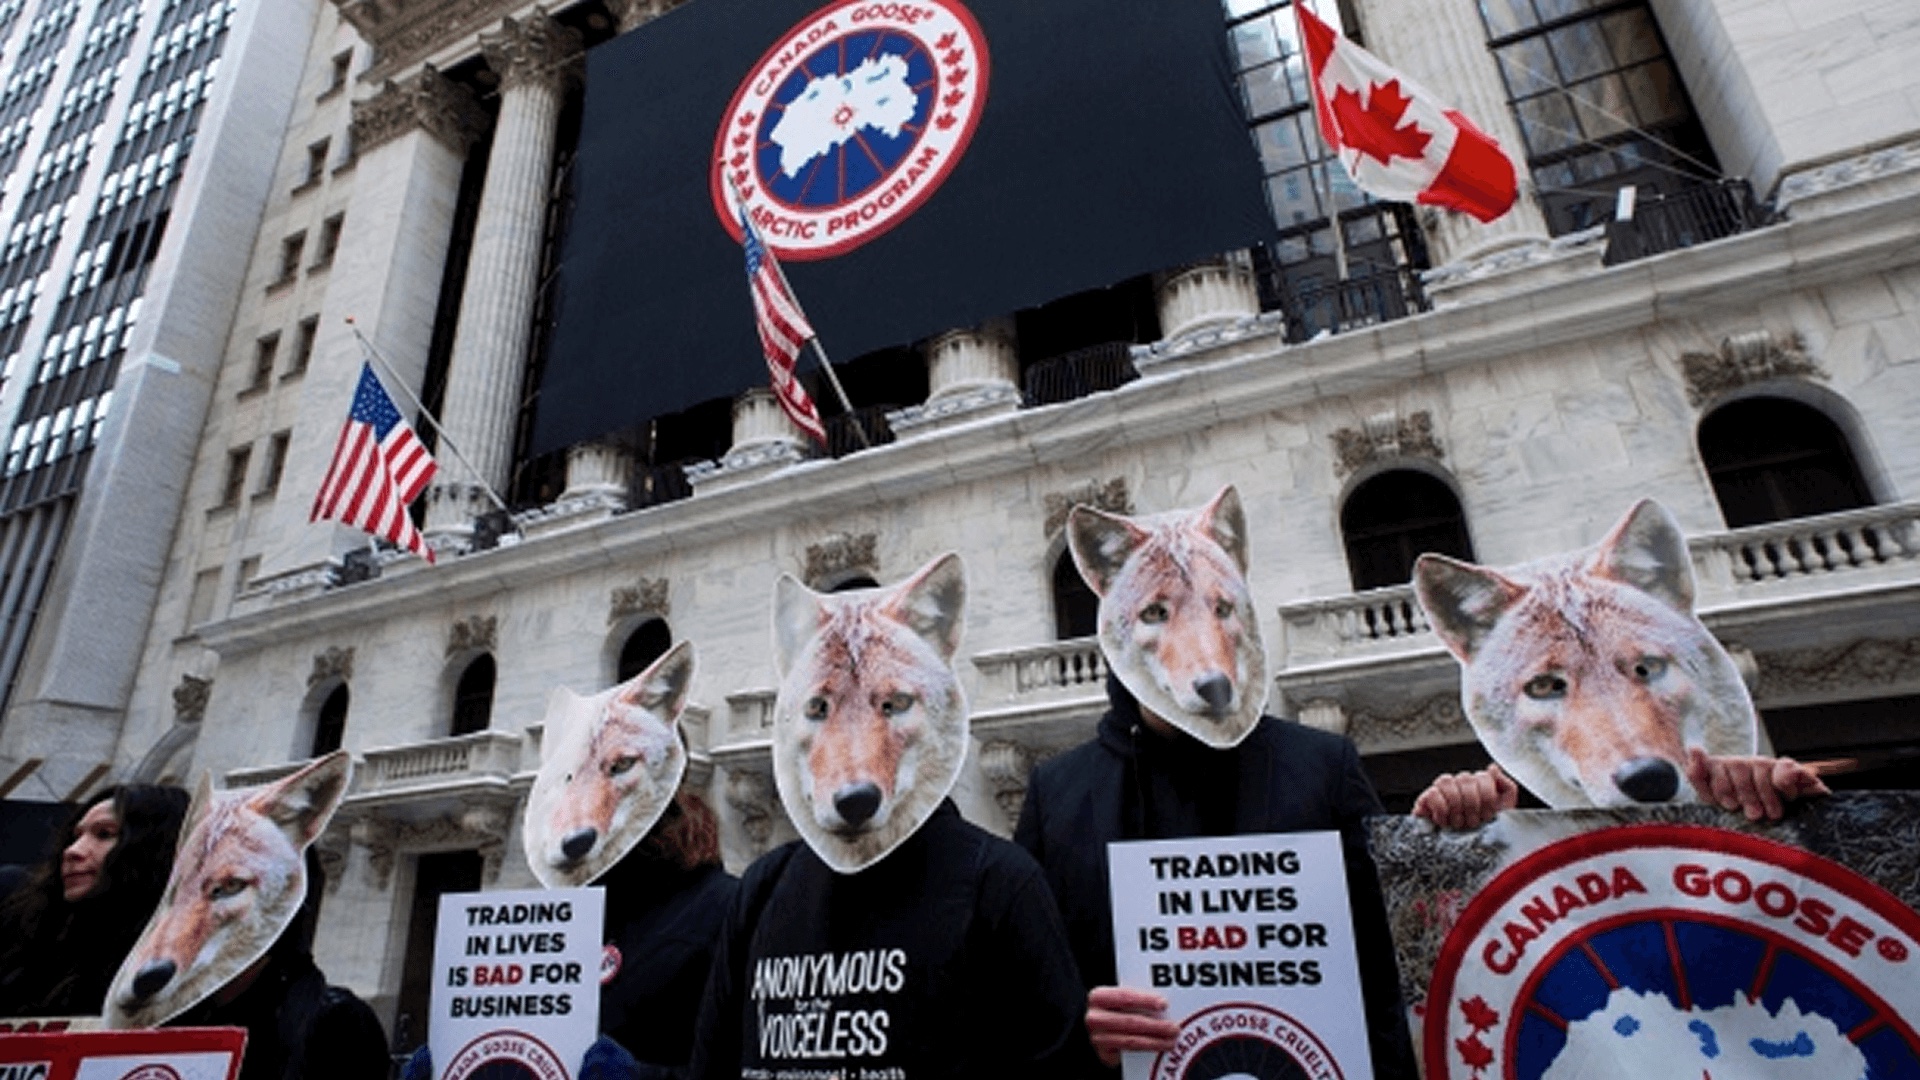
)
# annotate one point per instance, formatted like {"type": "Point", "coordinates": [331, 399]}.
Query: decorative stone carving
{"type": "Point", "coordinates": [483, 828]}
{"type": "Point", "coordinates": [1850, 172]}
{"type": "Point", "coordinates": [841, 556]}
{"type": "Point", "coordinates": [648, 596]}
{"type": "Point", "coordinates": [751, 795]}
{"type": "Point", "coordinates": [1745, 358]}
{"type": "Point", "coordinates": [332, 848]}
{"type": "Point", "coordinates": [1385, 437]}
{"type": "Point", "coordinates": [428, 101]}
{"type": "Point", "coordinates": [473, 634]}
{"type": "Point", "coordinates": [335, 663]}
{"type": "Point", "coordinates": [1869, 662]}
{"type": "Point", "coordinates": [532, 50]}
{"type": "Point", "coordinates": [1434, 721]}
{"type": "Point", "coordinates": [190, 699]}
{"type": "Point", "coordinates": [1325, 715]}
{"type": "Point", "coordinates": [1005, 767]}
{"type": "Point", "coordinates": [1110, 496]}
{"type": "Point", "coordinates": [628, 14]}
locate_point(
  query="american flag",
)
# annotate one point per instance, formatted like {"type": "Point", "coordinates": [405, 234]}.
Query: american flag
{"type": "Point", "coordinates": [784, 331]}
{"type": "Point", "coordinates": [379, 466]}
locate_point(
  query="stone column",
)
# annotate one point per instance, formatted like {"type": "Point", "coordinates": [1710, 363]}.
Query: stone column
{"type": "Point", "coordinates": [600, 470]}
{"type": "Point", "coordinates": [1442, 45]}
{"type": "Point", "coordinates": [411, 140]}
{"type": "Point", "coordinates": [764, 441]}
{"type": "Point", "coordinates": [1206, 295]}
{"type": "Point", "coordinates": [534, 59]}
{"type": "Point", "coordinates": [971, 373]}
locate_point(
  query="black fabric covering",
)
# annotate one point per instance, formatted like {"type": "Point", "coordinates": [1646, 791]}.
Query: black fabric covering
{"type": "Point", "coordinates": [1112, 143]}
{"type": "Point", "coordinates": [987, 985]}
{"type": "Point", "coordinates": [1129, 783]}
{"type": "Point", "coordinates": [665, 920]}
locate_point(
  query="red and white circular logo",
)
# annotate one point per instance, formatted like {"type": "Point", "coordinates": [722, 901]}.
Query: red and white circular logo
{"type": "Point", "coordinates": [153, 1071]}
{"type": "Point", "coordinates": [506, 1055]}
{"type": "Point", "coordinates": [609, 962]}
{"type": "Point", "coordinates": [1244, 1039]}
{"type": "Point", "coordinates": [1676, 950]}
{"type": "Point", "coordinates": [849, 123]}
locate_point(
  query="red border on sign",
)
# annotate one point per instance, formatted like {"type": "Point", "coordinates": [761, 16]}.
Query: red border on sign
{"type": "Point", "coordinates": [74, 1046]}
{"type": "Point", "coordinates": [1704, 838]}
{"type": "Point", "coordinates": [716, 164]}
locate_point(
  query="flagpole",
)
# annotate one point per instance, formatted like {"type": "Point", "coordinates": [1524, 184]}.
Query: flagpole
{"type": "Point", "coordinates": [373, 354]}
{"type": "Point", "coordinates": [819, 353]}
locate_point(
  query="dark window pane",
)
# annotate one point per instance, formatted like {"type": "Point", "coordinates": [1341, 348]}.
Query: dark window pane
{"type": "Point", "coordinates": [473, 697]}
{"type": "Point", "coordinates": [1771, 459]}
{"type": "Point", "coordinates": [1656, 93]}
{"type": "Point", "coordinates": [1280, 144]}
{"type": "Point", "coordinates": [1076, 609]}
{"type": "Point", "coordinates": [1527, 66]}
{"type": "Point", "coordinates": [1631, 36]}
{"type": "Point", "coordinates": [1581, 50]}
{"type": "Point", "coordinates": [1602, 106]}
{"type": "Point", "coordinates": [330, 726]}
{"type": "Point", "coordinates": [1255, 43]}
{"type": "Point", "coordinates": [1293, 198]}
{"type": "Point", "coordinates": [1392, 519]}
{"type": "Point", "coordinates": [1503, 17]}
{"type": "Point", "coordinates": [1547, 123]}
{"type": "Point", "coordinates": [648, 642]}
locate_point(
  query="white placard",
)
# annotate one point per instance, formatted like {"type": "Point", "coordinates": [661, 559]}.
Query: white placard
{"type": "Point", "coordinates": [516, 977]}
{"type": "Point", "coordinates": [1250, 940]}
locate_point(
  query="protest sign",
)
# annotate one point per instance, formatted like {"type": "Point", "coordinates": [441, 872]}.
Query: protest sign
{"type": "Point", "coordinates": [1672, 940]}
{"type": "Point", "coordinates": [1250, 940]}
{"type": "Point", "coordinates": [516, 981]}
{"type": "Point", "coordinates": [171, 1054]}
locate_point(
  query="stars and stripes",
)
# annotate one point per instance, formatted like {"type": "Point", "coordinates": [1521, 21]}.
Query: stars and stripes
{"type": "Point", "coordinates": [379, 467]}
{"type": "Point", "coordinates": [784, 331]}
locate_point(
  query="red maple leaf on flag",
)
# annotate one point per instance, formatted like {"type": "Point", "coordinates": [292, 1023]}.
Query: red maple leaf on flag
{"type": "Point", "coordinates": [1474, 1052]}
{"type": "Point", "coordinates": [1372, 128]}
{"type": "Point", "coordinates": [1479, 1013]}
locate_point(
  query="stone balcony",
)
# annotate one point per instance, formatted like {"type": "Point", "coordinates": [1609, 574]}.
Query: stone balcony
{"type": "Point", "coordinates": [1045, 697]}
{"type": "Point", "coordinates": [465, 766]}
{"type": "Point", "coordinates": [1369, 662]}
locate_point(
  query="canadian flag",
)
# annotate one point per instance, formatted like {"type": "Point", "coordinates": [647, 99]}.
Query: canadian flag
{"type": "Point", "coordinates": [1396, 139]}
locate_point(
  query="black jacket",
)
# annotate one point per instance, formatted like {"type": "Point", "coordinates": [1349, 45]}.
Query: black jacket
{"type": "Point", "coordinates": [944, 959]}
{"type": "Point", "coordinates": [662, 923]}
{"type": "Point", "coordinates": [298, 1027]}
{"type": "Point", "coordinates": [1131, 784]}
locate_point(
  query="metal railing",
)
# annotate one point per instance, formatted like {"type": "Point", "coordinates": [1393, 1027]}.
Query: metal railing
{"type": "Point", "coordinates": [1693, 215]}
{"type": "Point", "coordinates": [1079, 373]}
{"type": "Point", "coordinates": [871, 419]}
{"type": "Point", "coordinates": [1363, 299]}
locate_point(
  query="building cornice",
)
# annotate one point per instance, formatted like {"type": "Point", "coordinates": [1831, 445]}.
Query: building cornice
{"type": "Point", "coordinates": [426, 101]}
{"type": "Point", "coordinates": [1238, 380]}
{"type": "Point", "coordinates": [405, 32]}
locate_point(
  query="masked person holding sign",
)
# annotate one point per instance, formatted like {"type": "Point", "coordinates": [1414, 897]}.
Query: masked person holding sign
{"type": "Point", "coordinates": [1185, 751]}
{"type": "Point", "coordinates": [607, 809]}
{"type": "Point", "coordinates": [894, 939]}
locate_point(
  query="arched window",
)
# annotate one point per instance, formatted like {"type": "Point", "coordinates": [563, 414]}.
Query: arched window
{"type": "Point", "coordinates": [1076, 610]}
{"type": "Point", "coordinates": [330, 724]}
{"type": "Point", "coordinates": [1395, 517]}
{"type": "Point", "coordinates": [473, 697]}
{"type": "Point", "coordinates": [648, 642]}
{"type": "Point", "coordinates": [1771, 459]}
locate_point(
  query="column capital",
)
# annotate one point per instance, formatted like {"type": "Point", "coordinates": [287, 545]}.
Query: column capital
{"type": "Point", "coordinates": [628, 14]}
{"type": "Point", "coordinates": [532, 50]}
{"type": "Point", "coordinates": [427, 101]}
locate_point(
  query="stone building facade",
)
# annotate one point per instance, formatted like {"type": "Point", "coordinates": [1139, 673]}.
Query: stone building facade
{"type": "Point", "coordinates": [1502, 391]}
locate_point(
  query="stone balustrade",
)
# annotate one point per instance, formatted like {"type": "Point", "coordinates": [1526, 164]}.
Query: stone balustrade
{"type": "Point", "coordinates": [1360, 624]}
{"type": "Point", "coordinates": [1050, 672]}
{"type": "Point", "coordinates": [749, 719]}
{"type": "Point", "coordinates": [1877, 540]}
{"type": "Point", "coordinates": [482, 757]}
{"type": "Point", "coordinates": [256, 775]}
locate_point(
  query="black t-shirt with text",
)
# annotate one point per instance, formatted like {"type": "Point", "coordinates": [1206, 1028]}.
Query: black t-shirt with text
{"type": "Point", "coordinates": [945, 959]}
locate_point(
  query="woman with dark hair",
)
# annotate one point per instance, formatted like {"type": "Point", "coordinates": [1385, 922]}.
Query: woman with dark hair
{"type": "Point", "coordinates": [665, 903]}
{"type": "Point", "coordinates": [64, 933]}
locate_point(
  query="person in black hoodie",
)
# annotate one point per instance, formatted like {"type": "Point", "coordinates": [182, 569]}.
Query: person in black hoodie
{"type": "Point", "coordinates": [298, 1027]}
{"type": "Point", "coordinates": [666, 903]}
{"type": "Point", "coordinates": [895, 939]}
{"type": "Point", "coordinates": [1203, 761]}
{"type": "Point", "coordinates": [65, 930]}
